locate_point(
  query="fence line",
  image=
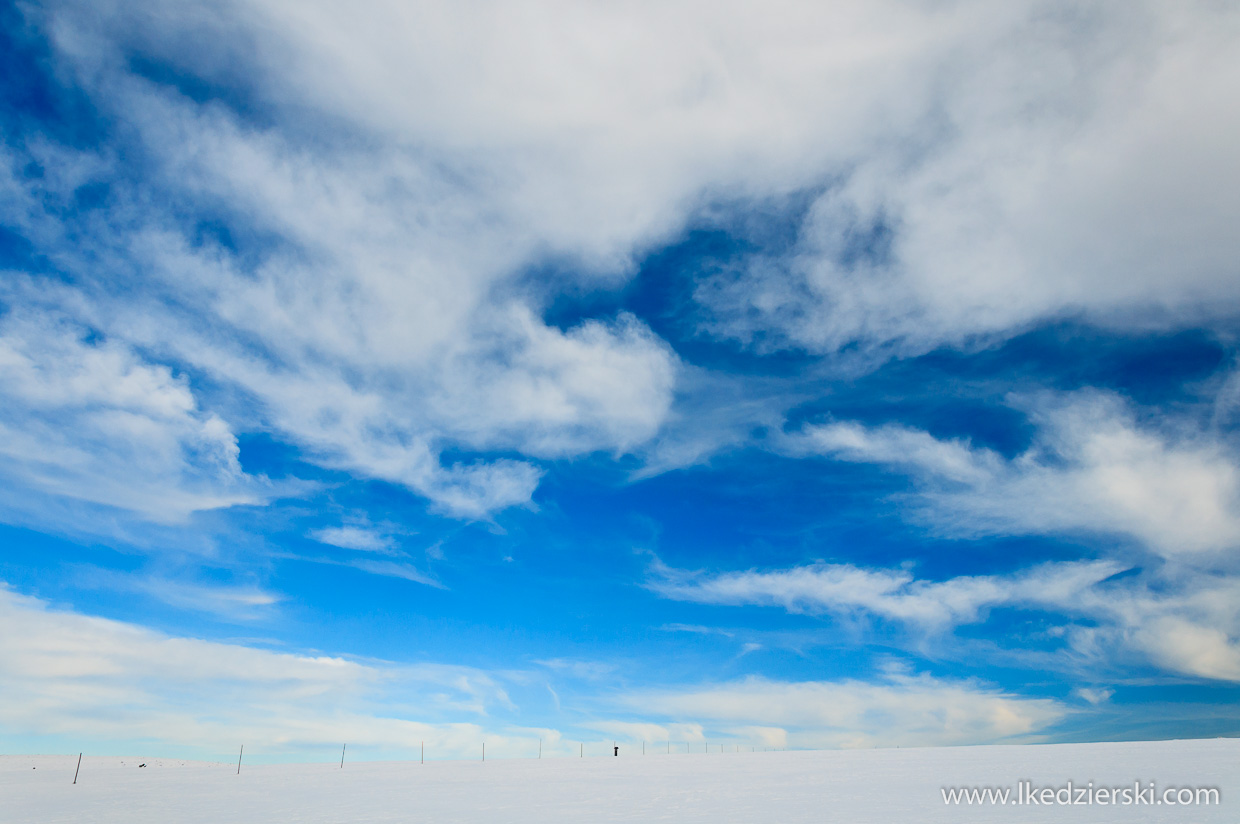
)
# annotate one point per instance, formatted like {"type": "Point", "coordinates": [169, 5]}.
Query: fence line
{"type": "Point", "coordinates": [580, 752]}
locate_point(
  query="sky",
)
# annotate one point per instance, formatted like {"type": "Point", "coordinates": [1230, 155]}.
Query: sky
{"type": "Point", "coordinates": [791, 375]}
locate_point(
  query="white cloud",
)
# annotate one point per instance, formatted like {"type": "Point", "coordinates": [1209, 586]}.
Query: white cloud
{"type": "Point", "coordinates": [899, 708]}
{"type": "Point", "coordinates": [352, 537]}
{"type": "Point", "coordinates": [394, 564]}
{"type": "Point", "coordinates": [1092, 468]}
{"type": "Point", "coordinates": [1094, 695]}
{"type": "Point", "coordinates": [93, 420]}
{"type": "Point", "coordinates": [1064, 160]}
{"type": "Point", "coordinates": [900, 446]}
{"type": "Point", "coordinates": [1186, 622]}
{"type": "Point", "coordinates": [1184, 646]}
{"type": "Point", "coordinates": [551, 393]}
{"type": "Point", "coordinates": [845, 590]}
{"type": "Point", "coordinates": [66, 673]}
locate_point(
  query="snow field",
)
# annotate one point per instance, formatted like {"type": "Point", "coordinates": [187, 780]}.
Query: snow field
{"type": "Point", "coordinates": [853, 786]}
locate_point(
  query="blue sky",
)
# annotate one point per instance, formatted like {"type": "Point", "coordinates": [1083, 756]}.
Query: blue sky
{"type": "Point", "coordinates": [839, 375]}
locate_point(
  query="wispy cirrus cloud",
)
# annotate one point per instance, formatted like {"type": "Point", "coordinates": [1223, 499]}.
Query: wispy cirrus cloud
{"type": "Point", "coordinates": [894, 594]}
{"type": "Point", "coordinates": [229, 601]}
{"type": "Point", "coordinates": [1092, 467]}
{"type": "Point", "coordinates": [395, 569]}
{"type": "Point", "coordinates": [1184, 622]}
{"type": "Point", "coordinates": [354, 537]}
{"type": "Point", "coordinates": [394, 564]}
{"type": "Point", "coordinates": [585, 670]}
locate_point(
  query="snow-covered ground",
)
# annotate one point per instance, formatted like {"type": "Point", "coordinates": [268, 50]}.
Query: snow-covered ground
{"type": "Point", "coordinates": [847, 786]}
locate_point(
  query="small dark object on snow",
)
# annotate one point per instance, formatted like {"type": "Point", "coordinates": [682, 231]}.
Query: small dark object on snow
{"type": "Point", "coordinates": [141, 765]}
{"type": "Point", "coordinates": [617, 752]}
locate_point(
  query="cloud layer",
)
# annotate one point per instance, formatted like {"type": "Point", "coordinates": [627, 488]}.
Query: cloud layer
{"type": "Point", "coordinates": [912, 710]}
{"type": "Point", "coordinates": [480, 274]}
{"type": "Point", "coordinates": [67, 673]}
{"type": "Point", "coordinates": [64, 673]}
{"type": "Point", "coordinates": [343, 231]}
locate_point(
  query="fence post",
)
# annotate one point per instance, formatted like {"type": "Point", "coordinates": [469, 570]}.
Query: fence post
{"type": "Point", "coordinates": [79, 767]}
{"type": "Point", "coordinates": [239, 759]}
